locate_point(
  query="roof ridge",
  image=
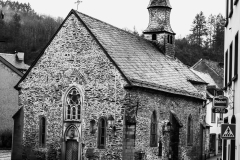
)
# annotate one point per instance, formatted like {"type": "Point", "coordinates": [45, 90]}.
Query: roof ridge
{"type": "Point", "coordinates": [111, 25]}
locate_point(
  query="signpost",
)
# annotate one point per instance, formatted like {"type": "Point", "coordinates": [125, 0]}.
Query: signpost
{"type": "Point", "coordinates": [220, 102]}
{"type": "Point", "coordinates": [219, 110]}
{"type": "Point", "coordinates": [228, 131]}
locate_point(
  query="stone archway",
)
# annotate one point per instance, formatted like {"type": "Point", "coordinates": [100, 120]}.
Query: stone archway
{"type": "Point", "coordinates": [72, 143]}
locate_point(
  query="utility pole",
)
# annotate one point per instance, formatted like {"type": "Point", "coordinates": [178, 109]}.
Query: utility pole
{"type": "Point", "coordinates": [78, 2]}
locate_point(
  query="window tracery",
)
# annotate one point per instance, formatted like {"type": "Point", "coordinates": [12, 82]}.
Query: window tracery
{"type": "Point", "coordinates": [73, 105]}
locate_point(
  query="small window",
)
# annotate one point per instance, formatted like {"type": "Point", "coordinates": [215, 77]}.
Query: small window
{"type": "Point", "coordinates": [231, 8]}
{"type": "Point", "coordinates": [160, 148]}
{"type": "Point", "coordinates": [221, 116]}
{"type": "Point", "coordinates": [171, 39]}
{"type": "Point", "coordinates": [235, 2]}
{"type": "Point", "coordinates": [230, 65]}
{"type": "Point", "coordinates": [42, 132]}
{"type": "Point", "coordinates": [153, 130]}
{"type": "Point", "coordinates": [226, 69]}
{"type": "Point", "coordinates": [213, 117]}
{"type": "Point", "coordinates": [190, 130]}
{"type": "Point", "coordinates": [236, 56]}
{"type": "Point", "coordinates": [227, 1]}
{"type": "Point", "coordinates": [154, 37]}
{"type": "Point", "coordinates": [102, 133]}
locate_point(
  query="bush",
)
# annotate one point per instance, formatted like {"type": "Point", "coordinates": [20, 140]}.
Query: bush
{"type": "Point", "coordinates": [6, 139]}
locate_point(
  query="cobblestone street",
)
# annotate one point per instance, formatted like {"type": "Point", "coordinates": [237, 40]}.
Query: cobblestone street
{"type": "Point", "coordinates": [5, 154]}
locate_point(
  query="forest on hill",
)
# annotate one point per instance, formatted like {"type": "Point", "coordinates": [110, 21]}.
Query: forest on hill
{"type": "Point", "coordinates": [25, 30]}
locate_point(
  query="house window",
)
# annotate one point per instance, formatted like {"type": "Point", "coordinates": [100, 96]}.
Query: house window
{"type": "Point", "coordinates": [221, 116]}
{"type": "Point", "coordinates": [42, 132]}
{"type": "Point", "coordinates": [170, 39]}
{"type": "Point", "coordinates": [102, 133]}
{"type": "Point", "coordinates": [73, 105]}
{"type": "Point", "coordinates": [153, 130]}
{"type": "Point", "coordinates": [236, 57]}
{"type": "Point", "coordinates": [231, 8]}
{"type": "Point", "coordinates": [235, 2]}
{"type": "Point", "coordinates": [154, 37]}
{"type": "Point", "coordinates": [160, 148]}
{"type": "Point", "coordinates": [213, 117]}
{"type": "Point", "coordinates": [230, 65]}
{"type": "Point", "coordinates": [190, 130]}
{"type": "Point", "coordinates": [226, 13]}
{"type": "Point", "coordinates": [226, 69]}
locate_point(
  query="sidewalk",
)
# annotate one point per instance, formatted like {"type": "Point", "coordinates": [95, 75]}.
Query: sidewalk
{"type": "Point", "coordinates": [217, 157]}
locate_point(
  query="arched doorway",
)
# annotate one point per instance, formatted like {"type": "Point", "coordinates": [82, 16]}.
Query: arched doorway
{"type": "Point", "coordinates": [72, 149]}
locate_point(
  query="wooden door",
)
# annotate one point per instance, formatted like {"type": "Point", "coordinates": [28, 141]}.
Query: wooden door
{"type": "Point", "coordinates": [72, 150]}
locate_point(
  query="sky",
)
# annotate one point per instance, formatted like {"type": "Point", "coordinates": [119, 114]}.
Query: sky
{"type": "Point", "coordinates": [131, 13]}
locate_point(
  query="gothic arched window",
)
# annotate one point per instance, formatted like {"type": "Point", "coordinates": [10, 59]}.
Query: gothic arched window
{"type": "Point", "coordinates": [73, 105]}
{"type": "Point", "coordinates": [190, 130]}
{"type": "Point", "coordinates": [153, 131]}
{"type": "Point", "coordinates": [42, 132]}
{"type": "Point", "coordinates": [102, 133]}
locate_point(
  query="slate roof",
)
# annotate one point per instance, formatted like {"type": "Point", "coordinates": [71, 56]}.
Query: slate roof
{"type": "Point", "coordinates": [9, 65]}
{"type": "Point", "coordinates": [139, 60]}
{"type": "Point", "coordinates": [207, 78]}
{"type": "Point", "coordinates": [11, 58]}
{"type": "Point", "coordinates": [159, 3]}
{"type": "Point", "coordinates": [217, 67]}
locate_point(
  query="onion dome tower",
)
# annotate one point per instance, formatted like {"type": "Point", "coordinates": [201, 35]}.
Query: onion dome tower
{"type": "Point", "coordinates": [159, 29]}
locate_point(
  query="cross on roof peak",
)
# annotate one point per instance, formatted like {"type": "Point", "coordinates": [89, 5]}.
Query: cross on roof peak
{"type": "Point", "coordinates": [78, 2]}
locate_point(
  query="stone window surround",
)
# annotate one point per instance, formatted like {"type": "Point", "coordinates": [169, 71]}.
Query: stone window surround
{"type": "Point", "coordinates": [153, 130]}
{"type": "Point", "coordinates": [42, 142]}
{"type": "Point", "coordinates": [102, 144]}
{"type": "Point", "coordinates": [79, 88]}
{"type": "Point", "coordinates": [190, 131]}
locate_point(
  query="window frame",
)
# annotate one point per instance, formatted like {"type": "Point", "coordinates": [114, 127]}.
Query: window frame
{"type": "Point", "coordinates": [154, 37]}
{"type": "Point", "coordinates": [153, 130]}
{"type": "Point", "coordinates": [42, 143]}
{"type": "Point", "coordinates": [66, 107]}
{"type": "Point", "coordinates": [230, 64]}
{"type": "Point", "coordinates": [231, 9]}
{"type": "Point", "coordinates": [190, 131]}
{"type": "Point", "coordinates": [236, 57]}
{"type": "Point", "coordinates": [235, 2]}
{"type": "Point", "coordinates": [226, 69]}
{"type": "Point", "coordinates": [101, 145]}
{"type": "Point", "coordinates": [227, 1]}
{"type": "Point", "coordinates": [213, 117]}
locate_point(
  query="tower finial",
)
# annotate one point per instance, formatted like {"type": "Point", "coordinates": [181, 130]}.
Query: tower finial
{"type": "Point", "coordinates": [78, 2]}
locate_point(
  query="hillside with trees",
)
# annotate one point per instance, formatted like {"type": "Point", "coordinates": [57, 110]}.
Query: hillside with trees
{"type": "Point", "coordinates": [205, 41]}
{"type": "Point", "coordinates": [24, 30]}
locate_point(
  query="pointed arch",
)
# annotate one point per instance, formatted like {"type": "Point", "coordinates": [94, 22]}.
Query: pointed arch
{"type": "Point", "coordinates": [153, 130]}
{"type": "Point", "coordinates": [102, 128]}
{"type": "Point", "coordinates": [190, 130]}
{"type": "Point", "coordinates": [73, 103]}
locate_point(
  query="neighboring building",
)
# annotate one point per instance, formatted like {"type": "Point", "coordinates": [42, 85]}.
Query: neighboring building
{"type": "Point", "coordinates": [99, 92]}
{"type": "Point", "coordinates": [17, 60]}
{"type": "Point", "coordinates": [212, 73]}
{"type": "Point", "coordinates": [9, 76]}
{"type": "Point", "coordinates": [231, 149]}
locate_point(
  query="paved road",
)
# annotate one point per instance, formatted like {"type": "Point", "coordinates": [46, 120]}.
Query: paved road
{"type": "Point", "coordinates": [5, 155]}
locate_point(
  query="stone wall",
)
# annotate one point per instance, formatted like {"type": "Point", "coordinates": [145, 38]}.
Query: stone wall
{"type": "Point", "coordinates": [146, 102]}
{"type": "Point", "coordinates": [73, 57]}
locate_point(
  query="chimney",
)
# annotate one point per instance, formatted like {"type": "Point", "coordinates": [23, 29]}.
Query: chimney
{"type": "Point", "coordinates": [159, 29]}
{"type": "Point", "coordinates": [20, 56]}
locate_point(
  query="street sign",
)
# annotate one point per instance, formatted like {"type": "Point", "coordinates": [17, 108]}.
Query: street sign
{"type": "Point", "coordinates": [219, 110]}
{"type": "Point", "coordinates": [228, 131]}
{"type": "Point", "coordinates": [220, 102]}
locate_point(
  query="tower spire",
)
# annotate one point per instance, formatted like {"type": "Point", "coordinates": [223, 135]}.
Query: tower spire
{"type": "Point", "coordinates": [159, 28]}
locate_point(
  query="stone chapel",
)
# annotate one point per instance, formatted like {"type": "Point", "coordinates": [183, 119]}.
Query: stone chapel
{"type": "Point", "coordinates": [97, 92]}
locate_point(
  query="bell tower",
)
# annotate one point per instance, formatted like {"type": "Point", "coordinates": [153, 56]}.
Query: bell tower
{"type": "Point", "coordinates": [159, 29]}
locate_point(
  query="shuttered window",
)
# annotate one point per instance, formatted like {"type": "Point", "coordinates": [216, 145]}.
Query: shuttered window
{"type": "Point", "coordinates": [153, 131]}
